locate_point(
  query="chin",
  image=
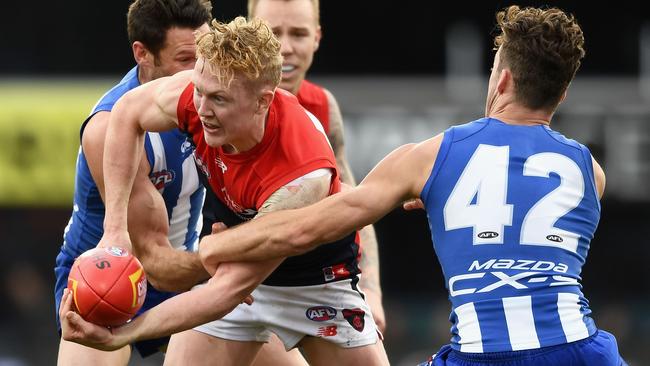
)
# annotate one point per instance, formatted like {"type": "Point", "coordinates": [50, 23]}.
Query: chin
{"type": "Point", "coordinates": [213, 141]}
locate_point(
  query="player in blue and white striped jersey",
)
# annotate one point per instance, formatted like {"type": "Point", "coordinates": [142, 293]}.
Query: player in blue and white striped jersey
{"type": "Point", "coordinates": [512, 206]}
{"type": "Point", "coordinates": [165, 208]}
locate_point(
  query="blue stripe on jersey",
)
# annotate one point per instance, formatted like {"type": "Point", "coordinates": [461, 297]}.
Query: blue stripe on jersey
{"type": "Point", "coordinates": [495, 331]}
{"type": "Point", "coordinates": [548, 320]}
{"type": "Point", "coordinates": [512, 210]}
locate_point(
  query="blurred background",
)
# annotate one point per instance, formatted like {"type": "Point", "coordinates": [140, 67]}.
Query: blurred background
{"type": "Point", "coordinates": [402, 71]}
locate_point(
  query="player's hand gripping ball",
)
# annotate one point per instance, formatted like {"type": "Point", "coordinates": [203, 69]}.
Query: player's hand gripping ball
{"type": "Point", "coordinates": [108, 285]}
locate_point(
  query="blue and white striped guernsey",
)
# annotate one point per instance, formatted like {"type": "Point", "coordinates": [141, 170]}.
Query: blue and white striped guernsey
{"type": "Point", "coordinates": [512, 210]}
{"type": "Point", "coordinates": [173, 172]}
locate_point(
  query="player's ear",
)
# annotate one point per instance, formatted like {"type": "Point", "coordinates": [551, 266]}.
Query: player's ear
{"type": "Point", "coordinates": [141, 54]}
{"type": "Point", "coordinates": [317, 38]}
{"type": "Point", "coordinates": [264, 100]}
{"type": "Point", "coordinates": [505, 80]}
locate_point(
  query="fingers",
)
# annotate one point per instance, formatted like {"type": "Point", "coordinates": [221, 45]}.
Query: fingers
{"type": "Point", "coordinates": [218, 227]}
{"type": "Point", "coordinates": [414, 204]}
{"type": "Point", "coordinates": [64, 298]}
{"type": "Point", "coordinates": [66, 303]}
{"type": "Point", "coordinates": [248, 300]}
{"type": "Point", "coordinates": [380, 320]}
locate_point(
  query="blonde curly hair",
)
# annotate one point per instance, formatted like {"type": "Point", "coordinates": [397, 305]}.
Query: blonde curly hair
{"type": "Point", "coordinates": [242, 47]}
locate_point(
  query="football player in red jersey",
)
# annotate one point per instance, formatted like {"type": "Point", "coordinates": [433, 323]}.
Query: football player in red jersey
{"type": "Point", "coordinates": [261, 152]}
{"type": "Point", "coordinates": [296, 23]}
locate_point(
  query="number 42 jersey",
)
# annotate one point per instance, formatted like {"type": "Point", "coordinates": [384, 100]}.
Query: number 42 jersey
{"type": "Point", "coordinates": [512, 210]}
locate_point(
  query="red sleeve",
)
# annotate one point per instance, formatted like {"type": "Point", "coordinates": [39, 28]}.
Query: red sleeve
{"type": "Point", "coordinates": [184, 104]}
{"type": "Point", "coordinates": [299, 148]}
{"type": "Point", "coordinates": [280, 181]}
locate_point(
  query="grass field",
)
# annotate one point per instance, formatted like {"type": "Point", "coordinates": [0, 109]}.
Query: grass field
{"type": "Point", "coordinates": [39, 138]}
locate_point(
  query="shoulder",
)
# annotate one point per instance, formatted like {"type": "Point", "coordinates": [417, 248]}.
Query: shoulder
{"type": "Point", "coordinates": [599, 176]}
{"type": "Point", "coordinates": [95, 129]}
{"type": "Point", "coordinates": [331, 100]}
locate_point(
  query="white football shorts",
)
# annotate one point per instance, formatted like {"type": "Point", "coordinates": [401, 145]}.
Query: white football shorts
{"type": "Point", "coordinates": [333, 311]}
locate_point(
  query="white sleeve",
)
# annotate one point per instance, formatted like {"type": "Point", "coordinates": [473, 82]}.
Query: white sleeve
{"type": "Point", "coordinates": [311, 175]}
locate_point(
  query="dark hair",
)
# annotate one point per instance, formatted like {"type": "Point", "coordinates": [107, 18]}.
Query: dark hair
{"type": "Point", "coordinates": [148, 20]}
{"type": "Point", "coordinates": [543, 49]}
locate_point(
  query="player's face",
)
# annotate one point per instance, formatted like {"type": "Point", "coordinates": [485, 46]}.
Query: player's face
{"type": "Point", "coordinates": [178, 53]}
{"type": "Point", "coordinates": [492, 84]}
{"type": "Point", "coordinates": [227, 112]}
{"type": "Point", "coordinates": [296, 26]}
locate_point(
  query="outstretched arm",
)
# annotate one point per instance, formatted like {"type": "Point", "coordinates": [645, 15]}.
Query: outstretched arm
{"type": "Point", "coordinates": [398, 177]}
{"type": "Point", "coordinates": [230, 286]}
{"type": "Point", "coordinates": [299, 193]}
{"type": "Point", "coordinates": [150, 107]}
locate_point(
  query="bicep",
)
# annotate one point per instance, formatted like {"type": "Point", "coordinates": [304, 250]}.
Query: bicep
{"type": "Point", "coordinates": [299, 193]}
{"type": "Point", "coordinates": [401, 175]}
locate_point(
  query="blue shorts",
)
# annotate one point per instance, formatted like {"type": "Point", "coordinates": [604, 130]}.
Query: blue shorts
{"type": "Point", "coordinates": [599, 349]}
{"type": "Point", "coordinates": [154, 297]}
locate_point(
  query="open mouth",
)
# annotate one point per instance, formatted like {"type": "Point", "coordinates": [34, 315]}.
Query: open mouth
{"type": "Point", "coordinates": [288, 68]}
{"type": "Point", "coordinates": [210, 128]}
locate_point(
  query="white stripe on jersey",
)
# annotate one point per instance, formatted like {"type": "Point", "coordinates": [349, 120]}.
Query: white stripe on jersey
{"type": "Point", "coordinates": [568, 306]}
{"type": "Point", "coordinates": [521, 324]}
{"type": "Point", "coordinates": [159, 158]}
{"type": "Point", "coordinates": [318, 125]}
{"type": "Point", "coordinates": [181, 213]}
{"type": "Point", "coordinates": [468, 329]}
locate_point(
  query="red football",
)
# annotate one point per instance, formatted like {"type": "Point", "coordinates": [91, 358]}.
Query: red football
{"type": "Point", "coordinates": [108, 285]}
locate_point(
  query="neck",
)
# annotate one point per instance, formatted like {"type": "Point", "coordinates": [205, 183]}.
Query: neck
{"type": "Point", "coordinates": [519, 115]}
{"type": "Point", "coordinates": [144, 76]}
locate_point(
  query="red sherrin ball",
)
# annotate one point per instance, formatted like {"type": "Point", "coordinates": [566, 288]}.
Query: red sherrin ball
{"type": "Point", "coordinates": [108, 285]}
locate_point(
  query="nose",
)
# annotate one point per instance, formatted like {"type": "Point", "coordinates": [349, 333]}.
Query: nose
{"type": "Point", "coordinates": [285, 45]}
{"type": "Point", "coordinates": [201, 107]}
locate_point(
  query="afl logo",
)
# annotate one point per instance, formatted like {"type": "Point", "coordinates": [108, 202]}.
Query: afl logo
{"type": "Point", "coordinates": [554, 238]}
{"type": "Point", "coordinates": [488, 235]}
{"type": "Point", "coordinates": [320, 313]}
{"type": "Point", "coordinates": [162, 178]}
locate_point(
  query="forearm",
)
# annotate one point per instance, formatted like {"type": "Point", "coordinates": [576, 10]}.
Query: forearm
{"type": "Point", "coordinates": [369, 263]}
{"type": "Point", "coordinates": [123, 146]}
{"type": "Point", "coordinates": [173, 270]}
{"type": "Point", "coordinates": [207, 304]}
{"type": "Point", "coordinates": [225, 290]}
{"type": "Point", "coordinates": [286, 233]}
